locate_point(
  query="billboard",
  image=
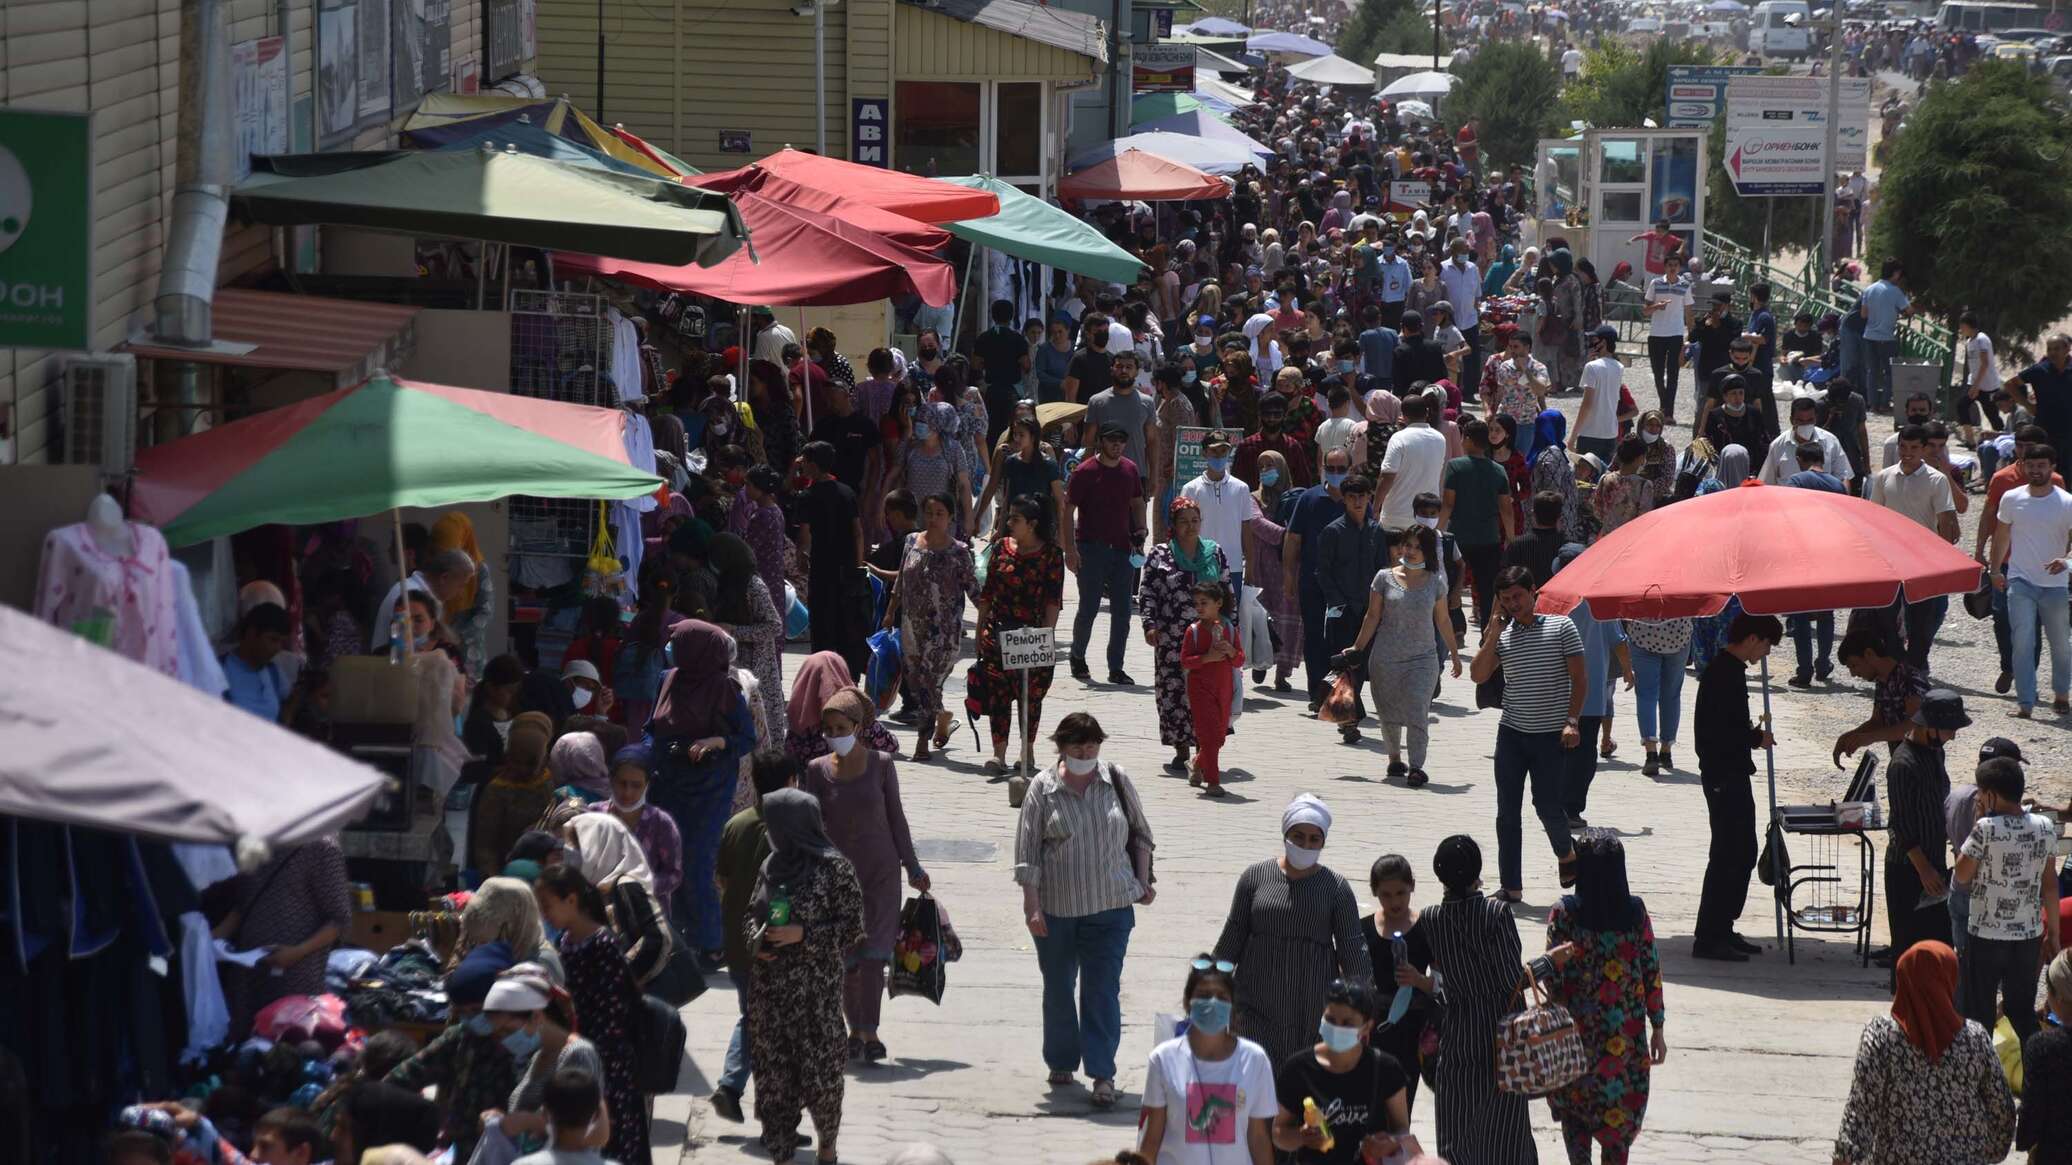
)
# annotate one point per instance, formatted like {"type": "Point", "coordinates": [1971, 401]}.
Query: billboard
{"type": "Point", "coordinates": [1698, 93]}
{"type": "Point", "coordinates": [1162, 68]}
{"type": "Point", "coordinates": [46, 229]}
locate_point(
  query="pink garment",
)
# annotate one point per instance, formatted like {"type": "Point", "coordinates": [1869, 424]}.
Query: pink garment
{"type": "Point", "coordinates": [80, 584]}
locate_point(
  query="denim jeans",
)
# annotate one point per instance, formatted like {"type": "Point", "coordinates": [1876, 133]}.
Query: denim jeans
{"type": "Point", "coordinates": [1537, 756]}
{"type": "Point", "coordinates": [1912, 626]}
{"type": "Point", "coordinates": [1878, 355]}
{"type": "Point", "coordinates": [1807, 631]}
{"type": "Point", "coordinates": [734, 1074]}
{"type": "Point", "coordinates": [1657, 689]}
{"type": "Point", "coordinates": [2029, 607]}
{"type": "Point", "coordinates": [1102, 569]}
{"type": "Point", "coordinates": [1088, 948]}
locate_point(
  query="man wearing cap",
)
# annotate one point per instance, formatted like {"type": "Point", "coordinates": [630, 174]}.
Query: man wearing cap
{"type": "Point", "coordinates": [1226, 506]}
{"type": "Point", "coordinates": [1960, 813]}
{"type": "Point", "coordinates": [1917, 783]}
{"type": "Point", "coordinates": [1103, 528]}
{"type": "Point", "coordinates": [1597, 423]}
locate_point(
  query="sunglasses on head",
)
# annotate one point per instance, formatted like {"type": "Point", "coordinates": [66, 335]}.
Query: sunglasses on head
{"type": "Point", "coordinates": [1203, 964]}
{"type": "Point", "coordinates": [1338, 991]}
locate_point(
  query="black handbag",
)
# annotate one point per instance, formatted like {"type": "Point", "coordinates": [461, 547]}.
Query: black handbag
{"type": "Point", "coordinates": [1490, 692]}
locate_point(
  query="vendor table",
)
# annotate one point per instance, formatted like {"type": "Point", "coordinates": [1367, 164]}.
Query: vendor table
{"type": "Point", "coordinates": [1823, 887]}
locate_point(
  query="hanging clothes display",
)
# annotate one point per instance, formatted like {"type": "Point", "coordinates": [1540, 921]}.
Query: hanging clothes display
{"type": "Point", "coordinates": [125, 604]}
{"type": "Point", "coordinates": [199, 668]}
{"type": "Point", "coordinates": [626, 370]}
{"type": "Point", "coordinates": [208, 1015]}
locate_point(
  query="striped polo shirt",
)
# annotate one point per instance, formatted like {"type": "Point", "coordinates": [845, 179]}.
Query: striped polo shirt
{"type": "Point", "coordinates": [1535, 659]}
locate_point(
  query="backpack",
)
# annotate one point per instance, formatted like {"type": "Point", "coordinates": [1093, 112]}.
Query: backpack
{"type": "Point", "coordinates": [658, 1045]}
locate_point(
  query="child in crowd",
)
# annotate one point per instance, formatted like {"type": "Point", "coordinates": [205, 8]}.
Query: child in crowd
{"type": "Point", "coordinates": [1337, 431]}
{"type": "Point", "coordinates": [1398, 1031]}
{"type": "Point", "coordinates": [2013, 880]}
{"type": "Point", "coordinates": [1211, 655]}
{"type": "Point", "coordinates": [575, 1107]}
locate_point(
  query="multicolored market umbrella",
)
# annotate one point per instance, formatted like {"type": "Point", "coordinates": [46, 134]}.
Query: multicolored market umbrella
{"type": "Point", "coordinates": [379, 445]}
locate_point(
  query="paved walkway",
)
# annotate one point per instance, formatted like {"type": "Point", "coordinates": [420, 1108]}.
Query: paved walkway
{"type": "Point", "coordinates": [1760, 1054]}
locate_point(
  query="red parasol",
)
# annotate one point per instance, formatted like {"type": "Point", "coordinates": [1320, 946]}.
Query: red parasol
{"type": "Point", "coordinates": [900, 229]}
{"type": "Point", "coordinates": [807, 259]}
{"type": "Point", "coordinates": [1782, 551]}
{"type": "Point", "coordinates": [1136, 175]}
{"type": "Point", "coordinates": [918, 198]}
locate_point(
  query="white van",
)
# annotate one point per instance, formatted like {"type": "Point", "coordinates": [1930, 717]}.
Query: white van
{"type": "Point", "coordinates": [1777, 28]}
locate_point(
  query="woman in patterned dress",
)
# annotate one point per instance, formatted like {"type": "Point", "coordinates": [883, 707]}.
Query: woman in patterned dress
{"type": "Point", "coordinates": [794, 1007]}
{"type": "Point", "coordinates": [744, 608]}
{"type": "Point", "coordinates": [1167, 597]}
{"type": "Point", "coordinates": [1551, 470]}
{"type": "Point", "coordinates": [1613, 988]}
{"type": "Point", "coordinates": [601, 984]}
{"type": "Point", "coordinates": [1565, 303]}
{"type": "Point", "coordinates": [297, 905]}
{"type": "Point", "coordinates": [936, 575]}
{"type": "Point", "coordinates": [1025, 587]}
{"type": "Point", "coordinates": [1284, 608]}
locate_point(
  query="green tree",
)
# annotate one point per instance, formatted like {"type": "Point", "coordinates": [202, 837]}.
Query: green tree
{"type": "Point", "coordinates": [1388, 26]}
{"type": "Point", "coordinates": [1512, 91]}
{"type": "Point", "coordinates": [1621, 86]}
{"type": "Point", "coordinates": [1974, 199]}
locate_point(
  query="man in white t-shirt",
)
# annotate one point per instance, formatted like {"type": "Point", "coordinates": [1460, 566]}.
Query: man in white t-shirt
{"type": "Point", "coordinates": [1977, 377]}
{"type": "Point", "coordinates": [1226, 505]}
{"type": "Point", "coordinates": [1414, 463]}
{"type": "Point", "coordinates": [2028, 560]}
{"type": "Point", "coordinates": [1668, 307]}
{"type": "Point", "coordinates": [1597, 424]}
{"type": "Point", "coordinates": [1781, 460]}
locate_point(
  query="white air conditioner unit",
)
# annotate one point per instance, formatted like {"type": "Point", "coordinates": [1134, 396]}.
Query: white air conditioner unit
{"type": "Point", "coordinates": [101, 412]}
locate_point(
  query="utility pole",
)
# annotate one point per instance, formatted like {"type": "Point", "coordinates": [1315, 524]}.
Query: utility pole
{"type": "Point", "coordinates": [1435, 34]}
{"type": "Point", "coordinates": [1824, 248]}
{"type": "Point", "coordinates": [600, 62]}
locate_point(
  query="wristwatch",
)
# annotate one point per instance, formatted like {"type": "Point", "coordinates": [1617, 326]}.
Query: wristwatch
{"type": "Point", "coordinates": [1574, 723]}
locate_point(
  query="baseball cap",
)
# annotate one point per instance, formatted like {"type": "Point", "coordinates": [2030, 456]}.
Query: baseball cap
{"type": "Point", "coordinates": [1607, 333]}
{"type": "Point", "coordinates": [1999, 746]}
{"type": "Point", "coordinates": [1941, 709]}
{"type": "Point", "coordinates": [1111, 429]}
{"type": "Point", "coordinates": [1206, 321]}
{"type": "Point", "coordinates": [1215, 440]}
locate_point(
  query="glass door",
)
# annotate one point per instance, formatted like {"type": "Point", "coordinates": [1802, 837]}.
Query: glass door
{"type": "Point", "coordinates": [1619, 192]}
{"type": "Point", "coordinates": [1557, 188]}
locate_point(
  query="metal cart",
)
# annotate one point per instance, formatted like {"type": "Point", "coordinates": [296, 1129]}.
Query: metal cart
{"type": "Point", "coordinates": [1821, 887]}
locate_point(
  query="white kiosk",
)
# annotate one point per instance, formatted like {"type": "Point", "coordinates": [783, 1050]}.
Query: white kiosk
{"type": "Point", "coordinates": [1600, 189]}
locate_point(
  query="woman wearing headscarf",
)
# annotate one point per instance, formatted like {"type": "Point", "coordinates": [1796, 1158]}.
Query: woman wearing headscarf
{"type": "Point", "coordinates": [758, 520]}
{"type": "Point", "coordinates": [503, 910]}
{"type": "Point", "coordinates": [1500, 272]}
{"type": "Point", "coordinates": [1592, 293]}
{"type": "Point", "coordinates": [610, 858]}
{"type": "Point", "coordinates": [744, 608]}
{"type": "Point", "coordinates": [577, 762]}
{"type": "Point", "coordinates": [806, 914]}
{"type": "Point", "coordinates": [1927, 1086]}
{"type": "Point", "coordinates": [1293, 926]}
{"type": "Point", "coordinates": [1561, 324]}
{"type": "Point", "coordinates": [931, 465]}
{"type": "Point", "coordinates": [1519, 282]}
{"type": "Point", "coordinates": [1613, 987]}
{"type": "Point", "coordinates": [936, 576]}
{"type": "Point", "coordinates": [472, 607]}
{"type": "Point", "coordinates": [1384, 415]}
{"type": "Point", "coordinates": [700, 731]}
{"type": "Point", "coordinates": [1475, 957]}
{"type": "Point", "coordinates": [535, 1019]}
{"type": "Point", "coordinates": [773, 413]}
{"type": "Point", "coordinates": [2044, 1128]}
{"type": "Point", "coordinates": [601, 982]}
{"type": "Point", "coordinates": [1659, 466]}
{"type": "Point", "coordinates": [1709, 632]}
{"type": "Point", "coordinates": [515, 797]}
{"type": "Point", "coordinates": [823, 674]}
{"type": "Point", "coordinates": [660, 843]}
{"type": "Point", "coordinates": [1025, 587]}
{"type": "Point", "coordinates": [1552, 470]}
{"type": "Point", "coordinates": [1166, 594]}
{"type": "Point", "coordinates": [465, 1061]}
{"type": "Point", "coordinates": [859, 797]}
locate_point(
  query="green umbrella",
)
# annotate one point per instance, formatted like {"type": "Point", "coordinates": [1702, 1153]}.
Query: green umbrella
{"type": "Point", "coordinates": [1152, 106]}
{"type": "Point", "coordinates": [379, 445]}
{"type": "Point", "coordinates": [1030, 228]}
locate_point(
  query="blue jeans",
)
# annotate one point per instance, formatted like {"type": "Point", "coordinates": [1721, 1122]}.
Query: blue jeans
{"type": "Point", "coordinates": [1806, 632]}
{"type": "Point", "coordinates": [1878, 355]}
{"type": "Point", "coordinates": [2028, 607]}
{"type": "Point", "coordinates": [1102, 569]}
{"type": "Point", "coordinates": [1088, 948]}
{"type": "Point", "coordinates": [1539, 757]}
{"type": "Point", "coordinates": [1657, 688]}
{"type": "Point", "coordinates": [734, 1074]}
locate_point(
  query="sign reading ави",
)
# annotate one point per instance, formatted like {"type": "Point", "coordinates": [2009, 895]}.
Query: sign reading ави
{"type": "Point", "coordinates": [867, 137]}
{"type": "Point", "coordinates": [46, 229]}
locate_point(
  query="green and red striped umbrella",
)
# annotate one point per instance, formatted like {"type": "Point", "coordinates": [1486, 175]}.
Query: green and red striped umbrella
{"type": "Point", "coordinates": [379, 445]}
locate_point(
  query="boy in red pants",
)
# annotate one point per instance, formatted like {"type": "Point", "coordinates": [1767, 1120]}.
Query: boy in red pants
{"type": "Point", "coordinates": [1212, 657]}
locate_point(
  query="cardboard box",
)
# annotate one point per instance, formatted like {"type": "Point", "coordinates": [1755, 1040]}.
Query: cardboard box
{"type": "Point", "coordinates": [378, 930]}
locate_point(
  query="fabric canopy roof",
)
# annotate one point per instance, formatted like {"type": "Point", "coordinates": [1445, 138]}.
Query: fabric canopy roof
{"type": "Point", "coordinates": [1205, 125]}
{"type": "Point", "coordinates": [1409, 61]}
{"type": "Point", "coordinates": [527, 138]}
{"type": "Point", "coordinates": [378, 445]}
{"type": "Point", "coordinates": [917, 198]}
{"type": "Point", "coordinates": [1134, 174]}
{"type": "Point", "coordinates": [1331, 70]}
{"type": "Point", "coordinates": [1209, 155]}
{"type": "Point", "coordinates": [653, 152]}
{"type": "Point", "coordinates": [1030, 228]}
{"type": "Point", "coordinates": [1152, 106]}
{"type": "Point", "coordinates": [498, 196]}
{"type": "Point", "coordinates": [1424, 84]}
{"type": "Point", "coordinates": [442, 118]}
{"type": "Point", "coordinates": [899, 228]}
{"type": "Point", "coordinates": [1219, 95]}
{"type": "Point", "coordinates": [1214, 26]}
{"type": "Point", "coordinates": [806, 259]}
{"type": "Point", "coordinates": [1292, 43]}
{"type": "Point", "coordinates": [177, 765]}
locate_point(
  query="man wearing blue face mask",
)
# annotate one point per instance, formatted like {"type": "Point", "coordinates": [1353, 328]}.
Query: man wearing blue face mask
{"type": "Point", "coordinates": [1393, 273]}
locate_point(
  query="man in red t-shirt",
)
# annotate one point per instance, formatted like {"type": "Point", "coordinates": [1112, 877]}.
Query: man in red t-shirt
{"type": "Point", "coordinates": [2006, 478]}
{"type": "Point", "coordinates": [1464, 141]}
{"type": "Point", "coordinates": [1659, 241]}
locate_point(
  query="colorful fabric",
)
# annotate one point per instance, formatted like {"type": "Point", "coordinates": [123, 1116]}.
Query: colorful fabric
{"type": "Point", "coordinates": [1613, 989]}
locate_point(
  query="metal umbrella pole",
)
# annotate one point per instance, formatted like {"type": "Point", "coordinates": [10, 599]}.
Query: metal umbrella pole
{"type": "Point", "coordinates": [1770, 764]}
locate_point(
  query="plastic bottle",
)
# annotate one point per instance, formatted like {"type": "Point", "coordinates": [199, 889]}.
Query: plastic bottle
{"type": "Point", "coordinates": [780, 906]}
{"type": "Point", "coordinates": [399, 638]}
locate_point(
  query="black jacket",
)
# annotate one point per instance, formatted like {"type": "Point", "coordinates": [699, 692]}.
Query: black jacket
{"type": "Point", "coordinates": [1725, 734]}
{"type": "Point", "coordinates": [1348, 558]}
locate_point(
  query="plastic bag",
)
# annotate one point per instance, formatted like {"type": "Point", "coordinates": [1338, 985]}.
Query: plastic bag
{"type": "Point", "coordinates": [294, 1018]}
{"type": "Point", "coordinates": [2009, 1049]}
{"type": "Point", "coordinates": [1338, 707]}
{"type": "Point", "coordinates": [603, 573]}
{"type": "Point", "coordinates": [887, 662]}
{"type": "Point", "coordinates": [797, 620]}
{"type": "Point", "coordinates": [917, 952]}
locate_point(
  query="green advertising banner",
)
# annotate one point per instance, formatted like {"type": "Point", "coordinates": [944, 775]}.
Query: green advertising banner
{"type": "Point", "coordinates": [46, 229]}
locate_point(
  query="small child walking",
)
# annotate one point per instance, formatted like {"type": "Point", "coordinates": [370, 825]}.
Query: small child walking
{"type": "Point", "coordinates": [1211, 656]}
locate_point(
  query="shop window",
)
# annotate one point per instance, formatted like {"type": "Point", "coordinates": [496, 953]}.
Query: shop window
{"type": "Point", "coordinates": [1621, 162]}
{"type": "Point", "coordinates": [935, 127]}
{"type": "Point", "coordinates": [1018, 129]}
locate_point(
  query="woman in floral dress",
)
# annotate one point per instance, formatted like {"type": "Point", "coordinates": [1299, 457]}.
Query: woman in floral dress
{"type": "Point", "coordinates": [1284, 608]}
{"type": "Point", "coordinates": [1659, 468]}
{"type": "Point", "coordinates": [1551, 470]}
{"type": "Point", "coordinates": [745, 609]}
{"type": "Point", "coordinates": [600, 982]}
{"type": "Point", "coordinates": [1625, 493]}
{"type": "Point", "coordinates": [936, 575]}
{"type": "Point", "coordinates": [1613, 987]}
{"type": "Point", "coordinates": [795, 1027]}
{"type": "Point", "coordinates": [1167, 595]}
{"type": "Point", "coordinates": [1025, 587]}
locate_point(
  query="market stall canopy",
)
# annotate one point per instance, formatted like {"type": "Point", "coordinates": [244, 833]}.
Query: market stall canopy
{"type": "Point", "coordinates": [1422, 84]}
{"type": "Point", "coordinates": [1029, 228]}
{"type": "Point", "coordinates": [175, 765]}
{"type": "Point", "coordinates": [1209, 61]}
{"type": "Point", "coordinates": [915, 197]}
{"type": "Point", "coordinates": [346, 339]}
{"type": "Point", "coordinates": [1219, 95]}
{"type": "Point", "coordinates": [899, 228]}
{"type": "Point", "coordinates": [1206, 126]}
{"type": "Point", "coordinates": [1331, 70]}
{"type": "Point", "coordinates": [1213, 26]}
{"type": "Point", "coordinates": [654, 153]}
{"type": "Point", "coordinates": [527, 138]}
{"type": "Point", "coordinates": [378, 445]}
{"type": "Point", "coordinates": [1421, 110]}
{"type": "Point", "coordinates": [442, 118]}
{"type": "Point", "coordinates": [1208, 155]}
{"type": "Point", "coordinates": [1292, 43]}
{"type": "Point", "coordinates": [802, 258]}
{"type": "Point", "coordinates": [1152, 106]}
{"type": "Point", "coordinates": [498, 196]}
{"type": "Point", "coordinates": [1408, 61]}
{"type": "Point", "coordinates": [1134, 174]}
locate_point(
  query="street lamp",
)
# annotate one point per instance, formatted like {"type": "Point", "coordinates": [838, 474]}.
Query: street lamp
{"type": "Point", "coordinates": [819, 71]}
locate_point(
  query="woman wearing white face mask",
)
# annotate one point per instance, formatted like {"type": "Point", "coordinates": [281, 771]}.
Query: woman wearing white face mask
{"type": "Point", "coordinates": [1294, 926]}
{"type": "Point", "coordinates": [659, 840]}
{"type": "Point", "coordinates": [1360, 1092]}
{"type": "Point", "coordinates": [1082, 854]}
{"type": "Point", "coordinates": [534, 1019]}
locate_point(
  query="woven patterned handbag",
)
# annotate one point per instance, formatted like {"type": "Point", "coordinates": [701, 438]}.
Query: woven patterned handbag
{"type": "Point", "coordinates": [1538, 1049]}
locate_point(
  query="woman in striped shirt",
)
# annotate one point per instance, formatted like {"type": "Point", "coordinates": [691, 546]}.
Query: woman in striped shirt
{"type": "Point", "coordinates": [1082, 855]}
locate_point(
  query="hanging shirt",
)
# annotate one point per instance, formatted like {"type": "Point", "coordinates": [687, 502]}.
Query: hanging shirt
{"type": "Point", "coordinates": [124, 604]}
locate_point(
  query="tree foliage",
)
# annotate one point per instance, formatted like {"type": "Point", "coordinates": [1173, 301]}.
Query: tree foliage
{"type": "Point", "coordinates": [1742, 219]}
{"type": "Point", "coordinates": [1621, 86]}
{"type": "Point", "coordinates": [1388, 26]}
{"type": "Point", "coordinates": [1512, 92]}
{"type": "Point", "coordinates": [1974, 200]}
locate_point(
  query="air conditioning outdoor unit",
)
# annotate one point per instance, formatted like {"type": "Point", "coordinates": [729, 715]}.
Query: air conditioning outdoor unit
{"type": "Point", "coordinates": [100, 404]}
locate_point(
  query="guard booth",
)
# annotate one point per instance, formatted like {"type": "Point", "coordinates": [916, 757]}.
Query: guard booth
{"type": "Point", "coordinates": [1608, 185]}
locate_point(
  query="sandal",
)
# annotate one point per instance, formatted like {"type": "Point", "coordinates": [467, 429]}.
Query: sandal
{"type": "Point", "coordinates": [945, 724]}
{"type": "Point", "coordinates": [1104, 1094]}
{"type": "Point", "coordinates": [1397, 768]}
{"type": "Point", "coordinates": [1059, 1079]}
{"type": "Point", "coordinates": [1514, 897]}
{"type": "Point", "coordinates": [874, 1051]}
{"type": "Point", "coordinates": [1416, 778]}
{"type": "Point", "coordinates": [1568, 871]}
{"type": "Point", "coordinates": [1215, 791]}
{"type": "Point", "coordinates": [1607, 749]}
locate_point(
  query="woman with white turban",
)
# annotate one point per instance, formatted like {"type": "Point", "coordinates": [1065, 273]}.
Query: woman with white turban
{"type": "Point", "coordinates": [1294, 926]}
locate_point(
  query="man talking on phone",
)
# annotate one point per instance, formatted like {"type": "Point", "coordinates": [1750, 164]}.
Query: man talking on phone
{"type": "Point", "coordinates": [1541, 657]}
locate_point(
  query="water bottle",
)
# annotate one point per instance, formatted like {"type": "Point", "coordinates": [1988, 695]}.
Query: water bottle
{"type": "Point", "coordinates": [1404, 993]}
{"type": "Point", "coordinates": [398, 638]}
{"type": "Point", "coordinates": [780, 906]}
